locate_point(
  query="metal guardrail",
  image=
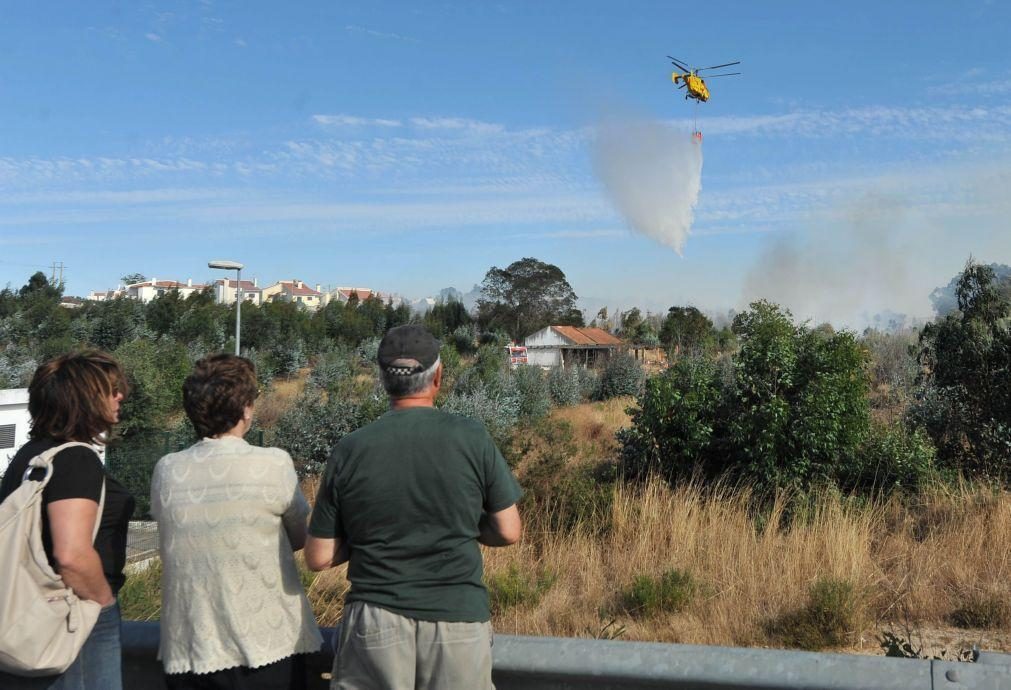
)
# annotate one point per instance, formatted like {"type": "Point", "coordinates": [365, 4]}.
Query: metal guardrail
{"type": "Point", "coordinates": [551, 663]}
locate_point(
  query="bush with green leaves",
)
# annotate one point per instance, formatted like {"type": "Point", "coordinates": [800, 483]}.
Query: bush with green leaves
{"type": "Point", "coordinates": [671, 592]}
{"type": "Point", "coordinates": [464, 339]}
{"type": "Point", "coordinates": [964, 403]}
{"type": "Point", "coordinates": [623, 375]}
{"type": "Point", "coordinates": [563, 384]}
{"type": "Point", "coordinates": [791, 409]}
{"type": "Point", "coordinates": [673, 425]}
{"type": "Point", "coordinates": [155, 371]}
{"type": "Point", "coordinates": [17, 367]}
{"type": "Point", "coordinates": [368, 349]}
{"type": "Point", "coordinates": [497, 407]}
{"type": "Point", "coordinates": [532, 386]}
{"type": "Point", "coordinates": [893, 457]}
{"type": "Point", "coordinates": [333, 370]}
{"type": "Point", "coordinates": [589, 383]}
{"type": "Point", "coordinates": [517, 587]}
{"type": "Point", "coordinates": [314, 424]}
{"type": "Point", "coordinates": [287, 357]}
{"type": "Point", "coordinates": [829, 618]}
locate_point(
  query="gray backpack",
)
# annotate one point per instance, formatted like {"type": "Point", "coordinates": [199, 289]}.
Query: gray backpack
{"type": "Point", "coordinates": [43, 624]}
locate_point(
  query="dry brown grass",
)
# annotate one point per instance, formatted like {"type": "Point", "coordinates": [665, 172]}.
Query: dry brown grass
{"type": "Point", "coordinates": [594, 425]}
{"type": "Point", "coordinates": [278, 398]}
{"type": "Point", "coordinates": [917, 563]}
{"type": "Point", "coordinates": [936, 568]}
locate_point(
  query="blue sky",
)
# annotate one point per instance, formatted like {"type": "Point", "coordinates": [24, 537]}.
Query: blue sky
{"type": "Point", "coordinates": [859, 160]}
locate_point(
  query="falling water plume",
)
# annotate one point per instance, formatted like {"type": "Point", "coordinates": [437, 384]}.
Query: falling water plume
{"type": "Point", "coordinates": [653, 174]}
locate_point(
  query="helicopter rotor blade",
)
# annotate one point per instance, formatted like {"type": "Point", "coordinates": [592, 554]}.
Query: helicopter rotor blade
{"type": "Point", "coordinates": [680, 64]}
{"type": "Point", "coordinates": [681, 87]}
{"type": "Point", "coordinates": [728, 74]}
{"type": "Point", "coordinates": [718, 66]}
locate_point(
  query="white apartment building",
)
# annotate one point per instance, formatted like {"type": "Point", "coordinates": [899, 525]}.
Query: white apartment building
{"type": "Point", "coordinates": [149, 289]}
{"type": "Point", "coordinates": [225, 290]}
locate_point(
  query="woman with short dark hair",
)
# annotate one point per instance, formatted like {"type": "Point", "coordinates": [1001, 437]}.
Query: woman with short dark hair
{"type": "Point", "coordinates": [76, 397]}
{"type": "Point", "coordinates": [234, 614]}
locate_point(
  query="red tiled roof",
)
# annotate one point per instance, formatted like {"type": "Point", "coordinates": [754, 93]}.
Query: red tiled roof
{"type": "Point", "coordinates": [292, 288]}
{"type": "Point", "coordinates": [167, 284]}
{"type": "Point", "coordinates": [247, 285]}
{"type": "Point", "coordinates": [360, 293]}
{"type": "Point", "coordinates": [587, 336]}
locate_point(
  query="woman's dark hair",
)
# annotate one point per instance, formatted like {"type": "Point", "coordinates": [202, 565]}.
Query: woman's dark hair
{"type": "Point", "coordinates": [68, 396]}
{"type": "Point", "coordinates": [217, 393]}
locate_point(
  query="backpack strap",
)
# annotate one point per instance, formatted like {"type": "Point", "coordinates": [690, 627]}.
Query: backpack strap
{"type": "Point", "coordinates": [44, 461]}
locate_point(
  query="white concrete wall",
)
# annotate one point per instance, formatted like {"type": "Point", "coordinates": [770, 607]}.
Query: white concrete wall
{"type": "Point", "coordinates": [546, 337]}
{"type": "Point", "coordinates": [548, 357]}
{"type": "Point", "coordinates": [14, 410]}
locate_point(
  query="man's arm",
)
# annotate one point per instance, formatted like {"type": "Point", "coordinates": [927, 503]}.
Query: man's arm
{"type": "Point", "coordinates": [321, 554]}
{"type": "Point", "coordinates": [71, 521]}
{"type": "Point", "coordinates": [501, 528]}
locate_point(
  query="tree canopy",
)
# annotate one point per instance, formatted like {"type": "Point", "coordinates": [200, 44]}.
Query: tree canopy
{"type": "Point", "coordinates": [525, 297]}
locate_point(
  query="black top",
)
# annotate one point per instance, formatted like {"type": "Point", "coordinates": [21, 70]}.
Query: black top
{"type": "Point", "coordinates": [77, 473]}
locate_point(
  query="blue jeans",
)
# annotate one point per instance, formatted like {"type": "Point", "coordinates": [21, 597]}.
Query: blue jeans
{"type": "Point", "coordinates": [97, 667]}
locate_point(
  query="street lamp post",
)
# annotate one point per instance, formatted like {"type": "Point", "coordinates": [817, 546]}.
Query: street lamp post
{"type": "Point", "coordinates": [237, 267]}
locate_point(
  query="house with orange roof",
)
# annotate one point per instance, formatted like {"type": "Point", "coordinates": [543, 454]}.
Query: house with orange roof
{"type": "Point", "coordinates": [562, 346]}
{"type": "Point", "coordinates": [294, 291]}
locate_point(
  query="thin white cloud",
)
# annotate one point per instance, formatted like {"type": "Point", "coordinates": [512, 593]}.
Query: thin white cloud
{"type": "Point", "coordinates": [111, 197]}
{"type": "Point", "coordinates": [153, 37]}
{"type": "Point", "coordinates": [460, 124]}
{"type": "Point", "coordinates": [353, 28]}
{"type": "Point", "coordinates": [354, 121]}
{"type": "Point", "coordinates": [924, 123]}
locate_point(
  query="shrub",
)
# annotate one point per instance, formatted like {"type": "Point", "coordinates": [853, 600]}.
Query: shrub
{"type": "Point", "coordinates": [451, 362]}
{"type": "Point", "coordinates": [827, 620]}
{"type": "Point", "coordinates": [333, 371]}
{"type": "Point", "coordinates": [368, 349]}
{"type": "Point", "coordinates": [589, 383]}
{"type": "Point", "coordinates": [497, 408]}
{"type": "Point", "coordinates": [672, 592]}
{"type": "Point", "coordinates": [984, 609]}
{"type": "Point", "coordinates": [672, 428]}
{"type": "Point", "coordinates": [313, 425]}
{"type": "Point", "coordinates": [623, 375]}
{"type": "Point", "coordinates": [156, 371]}
{"type": "Point", "coordinates": [892, 457]}
{"type": "Point", "coordinates": [516, 587]}
{"type": "Point", "coordinates": [287, 357]}
{"type": "Point", "coordinates": [17, 367]}
{"type": "Point", "coordinates": [532, 387]}
{"type": "Point", "coordinates": [563, 384]}
{"type": "Point", "coordinates": [464, 340]}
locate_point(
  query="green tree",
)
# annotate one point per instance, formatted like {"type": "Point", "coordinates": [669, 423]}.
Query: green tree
{"type": "Point", "coordinates": [964, 403]}
{"type": "Point", "coordinates": [131, 278]}
{"type": "Point", "coordinates": [685, 328]}
{"type": "Point", "coordinates": [791, 409]}
{"type": "Point", "coordinates": [525, 297]}
{"type": "Point", "coordinates": [156, 371]}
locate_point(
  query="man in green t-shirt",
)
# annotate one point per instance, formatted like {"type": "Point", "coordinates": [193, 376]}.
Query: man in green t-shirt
{"type": "Point", "coordinates": [407, 499]}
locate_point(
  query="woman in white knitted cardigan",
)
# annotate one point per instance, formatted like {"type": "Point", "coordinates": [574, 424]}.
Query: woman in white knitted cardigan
{"type": "Point", "coordinates": [234, 613]}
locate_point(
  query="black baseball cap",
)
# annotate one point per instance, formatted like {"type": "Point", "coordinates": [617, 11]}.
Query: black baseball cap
{"type": "Point", "coordinates": [410, 342]}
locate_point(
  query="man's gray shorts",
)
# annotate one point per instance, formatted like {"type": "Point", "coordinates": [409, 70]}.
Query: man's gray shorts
{"type": "Point", "coordinates": [380, 649]}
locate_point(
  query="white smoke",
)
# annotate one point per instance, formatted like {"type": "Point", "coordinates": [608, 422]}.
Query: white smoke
{"type": "Point", "coordinates": [653, 174]}
{"type": "Point", "coordinates": [850, 268]}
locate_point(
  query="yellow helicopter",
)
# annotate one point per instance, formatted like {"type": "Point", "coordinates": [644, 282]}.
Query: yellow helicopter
{"type": "Point", "coordinates": [696, 85]}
